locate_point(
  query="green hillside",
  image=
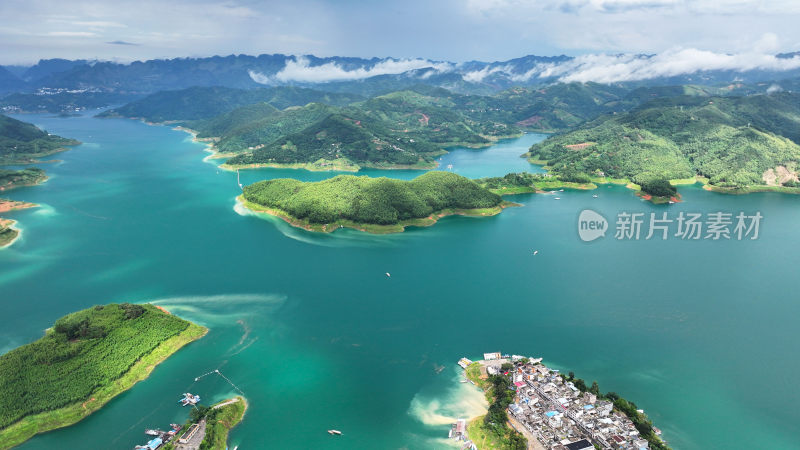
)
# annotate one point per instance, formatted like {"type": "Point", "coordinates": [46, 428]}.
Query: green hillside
{"type": "Point", "coordinates": [206, 102]}
{"type": "Point", "coordinates": [348, 199]}
{"type": "Point", "coordinates": [405, 128]}
{"type": "Point", "coordinates": [256, 130]}
{"type": "Point", "coordinates": [735, 142]}
{"type": "Point", "coordinates": [22, 142]}
{"type": "Point", "coordinates": [228, 122]}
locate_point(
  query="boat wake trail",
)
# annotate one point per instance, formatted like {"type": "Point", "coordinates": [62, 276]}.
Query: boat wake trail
{"type": "Point", "coordinates": [225, 309]}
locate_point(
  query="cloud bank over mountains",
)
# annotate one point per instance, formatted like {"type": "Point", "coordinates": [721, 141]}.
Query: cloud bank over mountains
{"type": "Point", "coordinates": [299, 69]}
{"type": "Point", "coordinates": [598, 67]}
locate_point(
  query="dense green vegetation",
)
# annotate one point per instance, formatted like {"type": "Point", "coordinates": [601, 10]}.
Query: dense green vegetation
{"type": "Point", "coordinates": [262, 129]}
{"type": "Point", "coordinates": [733, 141]}
{"type": "Point", "coordinates": [519, 183]}
{"type": "Point", "coordinates": [640, 421]}
{"type": "Point", "coordinates": [495, 420]}
{"type": "Point", "coordinates": [366, 200]}
{"type": "Point", "coordinates": [219, 422]}
{"type": "Point", "coordinates": [22, 142]}
{"type": "Point", "coordinates": [659, 187]}
{"type": "Point", "coordinates": [206, 102]}
{"type": "Point", "coordinates": [405, 128]}
{"type": "Point", "coordinates": [84, 352]}
{"type": "Point", "coordinates": [10, 179]}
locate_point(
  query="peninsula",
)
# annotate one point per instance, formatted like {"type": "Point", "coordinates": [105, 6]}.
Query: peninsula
{"type": "Point", "coordinates": [8, 234]}
{"type": "Point", "coordinates": [375, 205]}
{"type": "Point", "coordinates": [10, 179]}
{"type": "Point", "coordinates": [24, 143]}
{"type": "Point", "coordinates": [550, 410]}
{"type": "Point", "coordinates": [82, 362]}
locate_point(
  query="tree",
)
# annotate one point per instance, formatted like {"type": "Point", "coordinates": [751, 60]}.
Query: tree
{"type": "Point", "coordinates": [595, 389]}
{"type": "Point", "coordinates": [198, 412]}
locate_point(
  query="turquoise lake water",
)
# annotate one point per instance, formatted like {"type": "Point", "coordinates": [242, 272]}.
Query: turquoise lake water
{"type": "Point", "coordinates": [700, 334]}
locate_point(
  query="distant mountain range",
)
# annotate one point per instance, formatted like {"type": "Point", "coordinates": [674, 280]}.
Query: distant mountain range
{"type": "Point", "coordinates": [371, 76]}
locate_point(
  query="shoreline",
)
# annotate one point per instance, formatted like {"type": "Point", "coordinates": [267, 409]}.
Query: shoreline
{"type": "Point", "coordinates": [704, 182]}
{"type": "Point", "coordinates": [372, 228]}
{"type": "Point", "coordinates": [9, 225]}
{"type": "Point", "coordinates": [228, 424]}
{"type": "Point", "coordinates": [12, 186]}
{"type": "Point", "coordinates": [15, 205]}
{"type": "Point", "coordinates": [29, 426]}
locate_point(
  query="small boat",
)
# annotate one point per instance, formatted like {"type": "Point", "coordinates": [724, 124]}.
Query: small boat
{"type": "Point", "coordinates": [335, 432]}
{"type": "Point", "coordinates": [558, 198]}
{"type": "Point", "coordinates": [463, 380]}
{"type": "Point", "coordinates": [152, 432]}
{"type": "Point", "coordinates": [535, 252]}
{"type": "Point", "coordinates": [560, 190]}
{"type": "Point", "coordinates": [594, 196]}
{"type": "Point", "coordinates": [388, 274]}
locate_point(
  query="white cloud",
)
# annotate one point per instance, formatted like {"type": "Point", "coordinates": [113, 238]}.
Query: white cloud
{"type": "Point", "coordinates": [71, 33]}
{"type": "Point", "coordinates": [476, 76]}
{"type": "Point", "coordinates": [300, 69]}
{"type": "Point", "coordinates": [609, 69]}
{"type": "Point", "coordinates": [605, 68]}
{"type": "Point", "coordinates": [774, 88]}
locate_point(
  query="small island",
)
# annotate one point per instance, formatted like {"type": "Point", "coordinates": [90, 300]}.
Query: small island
{"type": "Point", "coordinates": [375, 205]}
{"type": "Point", "coordinates": [82, 362]}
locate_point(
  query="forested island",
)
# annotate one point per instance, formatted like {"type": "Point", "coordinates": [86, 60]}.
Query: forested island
{"type": "Point", "coordinates": [375, 205]}
{"type": "Point", "coordinates": [733, 144]}
{"type": "Point", "coordinates": [24, 143]}
{"type": "Point", "coordinates": [82, 362]}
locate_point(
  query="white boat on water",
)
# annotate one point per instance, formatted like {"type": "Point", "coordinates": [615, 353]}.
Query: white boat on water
{"type": "Point", "coordinates": [152, 432]}
{"type": "Point", "coordinates": [558, 198]}
{"type": "Point", "coordinates": [388, 274]}
{"type": "Point", "coordinates": [594, 196]}
{"type": "Point", "coordinates": [335, 432]}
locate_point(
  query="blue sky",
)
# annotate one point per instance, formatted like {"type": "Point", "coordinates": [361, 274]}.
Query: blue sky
{"type": "Point", "coordinates": [454, 30]}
